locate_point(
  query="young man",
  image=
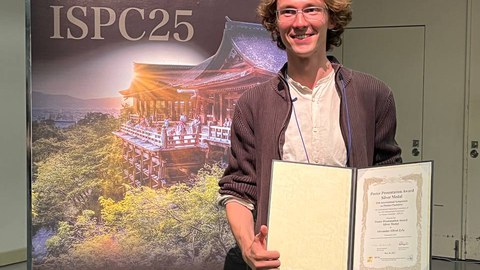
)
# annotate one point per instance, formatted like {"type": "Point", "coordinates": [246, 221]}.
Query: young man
{"type": "Point", "coordinates": [314, 111]}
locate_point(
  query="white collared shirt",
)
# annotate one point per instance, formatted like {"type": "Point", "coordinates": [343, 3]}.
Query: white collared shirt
{"type": "Point", "coordinates": [315, 119]}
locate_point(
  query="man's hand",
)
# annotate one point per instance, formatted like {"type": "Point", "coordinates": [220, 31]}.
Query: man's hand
{"type": "Point", "coordinates": [257, 256]}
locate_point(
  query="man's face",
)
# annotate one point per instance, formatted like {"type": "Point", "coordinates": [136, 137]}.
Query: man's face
{"type": "Point", "coordinates": [305, 33]}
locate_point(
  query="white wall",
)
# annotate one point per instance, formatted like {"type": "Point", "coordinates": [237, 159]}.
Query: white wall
{"type": "Point", "coordinates": [13, 183]}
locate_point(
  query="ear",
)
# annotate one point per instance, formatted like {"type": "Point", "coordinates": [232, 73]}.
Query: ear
{"type": "Point", "coordinates": [331, 25]}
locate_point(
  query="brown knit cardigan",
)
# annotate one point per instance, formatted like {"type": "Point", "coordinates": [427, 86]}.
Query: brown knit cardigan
{"type": "Point", "coordinates": [261, 118]}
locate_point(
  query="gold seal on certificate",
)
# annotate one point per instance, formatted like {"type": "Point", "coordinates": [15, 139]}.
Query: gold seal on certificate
{"type": "Point", "coordinates": [324, 217]}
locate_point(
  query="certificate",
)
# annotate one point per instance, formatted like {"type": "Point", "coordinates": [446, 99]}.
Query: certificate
{"type": "Point", "coordinates": [310, 215]}
{"type": "Point", "coordinates": [393, 217]}
{"type": "Point", "coordinates": [323, 217]}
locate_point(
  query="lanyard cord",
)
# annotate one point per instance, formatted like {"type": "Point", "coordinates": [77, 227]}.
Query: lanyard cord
{"type": "Point", "coordinates": [299, 130]}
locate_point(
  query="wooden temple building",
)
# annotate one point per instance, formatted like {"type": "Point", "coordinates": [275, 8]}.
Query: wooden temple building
{"type": "Point", "coordinates": [182, 113]}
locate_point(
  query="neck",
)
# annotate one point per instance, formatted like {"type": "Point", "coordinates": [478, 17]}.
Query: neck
{"type": "Point", "coordinates": [307, 71]}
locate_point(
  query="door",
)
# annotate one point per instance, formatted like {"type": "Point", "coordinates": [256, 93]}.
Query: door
{"type": "Point", "coordinates": [396, 56]}
{"type": "Point", "coordinates": [472, 183]}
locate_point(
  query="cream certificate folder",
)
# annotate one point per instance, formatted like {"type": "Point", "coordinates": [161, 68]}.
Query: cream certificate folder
{"type": "Point", "coordinates": [323, 217]}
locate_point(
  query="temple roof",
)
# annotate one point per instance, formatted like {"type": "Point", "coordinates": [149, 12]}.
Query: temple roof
{"type": "Point", "coordinates": [246, 57]}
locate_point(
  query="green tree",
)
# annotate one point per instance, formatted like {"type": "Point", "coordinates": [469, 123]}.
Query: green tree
{"type": "Point", "coordinates": [71, 179]}
{"type": "Point", "coordinates": [45, 129]}
{"type": "Point", "coordinates": [176, 228]}
{"type": "Point", "coordinates": [46, 141]}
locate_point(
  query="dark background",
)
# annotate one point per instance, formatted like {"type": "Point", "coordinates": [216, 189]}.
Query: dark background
{"type": "Point", "coordinates": [90, 68]}
{"type": "Point", "coordinates": [208, 19]}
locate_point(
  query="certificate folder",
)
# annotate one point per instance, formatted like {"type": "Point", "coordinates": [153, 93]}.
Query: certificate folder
{"type": "Point", "coordinates": [324, 217]}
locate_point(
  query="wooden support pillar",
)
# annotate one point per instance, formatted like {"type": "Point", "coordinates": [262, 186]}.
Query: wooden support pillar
{"type": "Point", "coordinates": [187, 109]}
{"type": "Point", "coordinates": [196, 106]}
{"type": "Point", "coordinates": [145, 108]}
{"type": "Point", "coordinates": [214, 109]}
{"type": "Point", "coordinates": [229, 108]}
{"type": "Point", "coordinates": [150, 169]}
{"type": "Point", "coordinates": [178, 110]}
{"type": "Point", "coordinates": [173, 113]}
{"type": "Point", "coordinates": [221, 110]}
{"type": "Point", "coordinates": [155, 111]}
{"type": "Point", "coordinates": [162, 171]}
{"type": "Point", "coordinates": [166, 110]}
{"type": "Point", "coordinates": [217, 109]}
{"type": "Point", "coordinates": [203, 111]}
{"type": "Point", "coordinates": [140, 168]}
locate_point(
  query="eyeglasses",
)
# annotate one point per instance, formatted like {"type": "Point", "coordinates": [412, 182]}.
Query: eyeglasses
{"type": "Point", "coordinates": [309, 13]}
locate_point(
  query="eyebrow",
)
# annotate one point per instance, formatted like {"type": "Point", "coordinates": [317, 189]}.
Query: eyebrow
{"type": "Point", "coordinates": [305, 6]}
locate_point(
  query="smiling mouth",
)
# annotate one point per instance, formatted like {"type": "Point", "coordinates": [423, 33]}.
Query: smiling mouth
{"type": "Point", "coordinates": [303, 36]}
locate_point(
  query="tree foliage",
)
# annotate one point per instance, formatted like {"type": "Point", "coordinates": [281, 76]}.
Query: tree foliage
{"type": "Point", "coordinates": [46, 141]}
{"type": "Point", "coordinates": [180, 227]}
{"type": "Point", "coordinates": [72, 170]}
{"type": "Point", "coordinates": [45, 129]}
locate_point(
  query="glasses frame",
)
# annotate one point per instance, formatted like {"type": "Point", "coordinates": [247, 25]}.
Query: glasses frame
{"type": "Point", "coordinates": [324, 10]}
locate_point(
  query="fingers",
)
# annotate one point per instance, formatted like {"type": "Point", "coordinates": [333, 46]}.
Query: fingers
{"type": "Point", "coordinates": [265, 260]}
{"type": "Point", "coordinates": [260, 257]}
{"type": "Point", "coordinates": [265, 255]}
{"type": "Point", "coordinates": [261, 265]}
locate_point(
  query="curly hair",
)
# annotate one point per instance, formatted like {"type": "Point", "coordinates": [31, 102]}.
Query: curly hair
{"type": "Point", "coordinates": [339, 11]}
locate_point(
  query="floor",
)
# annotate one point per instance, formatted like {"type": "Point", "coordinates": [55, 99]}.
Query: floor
{"type": "Point", "coordinates": [436, 265]}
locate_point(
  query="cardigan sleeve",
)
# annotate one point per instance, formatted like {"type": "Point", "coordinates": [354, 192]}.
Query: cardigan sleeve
{"type": "Point", "coordinates": [387, 150]}
{"type": "Point", "coordinates": [239, 178]}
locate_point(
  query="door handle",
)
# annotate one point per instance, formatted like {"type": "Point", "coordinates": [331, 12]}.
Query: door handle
{"type": "Point", "coordinates": [474, 149]}
{"type": "Point", "coordinates": [415, 147]}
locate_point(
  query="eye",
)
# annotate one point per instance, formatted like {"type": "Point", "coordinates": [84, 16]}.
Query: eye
{"type": "Point", "coordinates": [288, 12]}
{"type": "Point", "coordinates": [312, 10]}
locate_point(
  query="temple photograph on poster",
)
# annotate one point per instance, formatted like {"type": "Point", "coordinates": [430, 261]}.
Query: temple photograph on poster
{"type": "Point", "coordinates": [130, 131]}
{"type": "Point", "coordinates": [370, 218]}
